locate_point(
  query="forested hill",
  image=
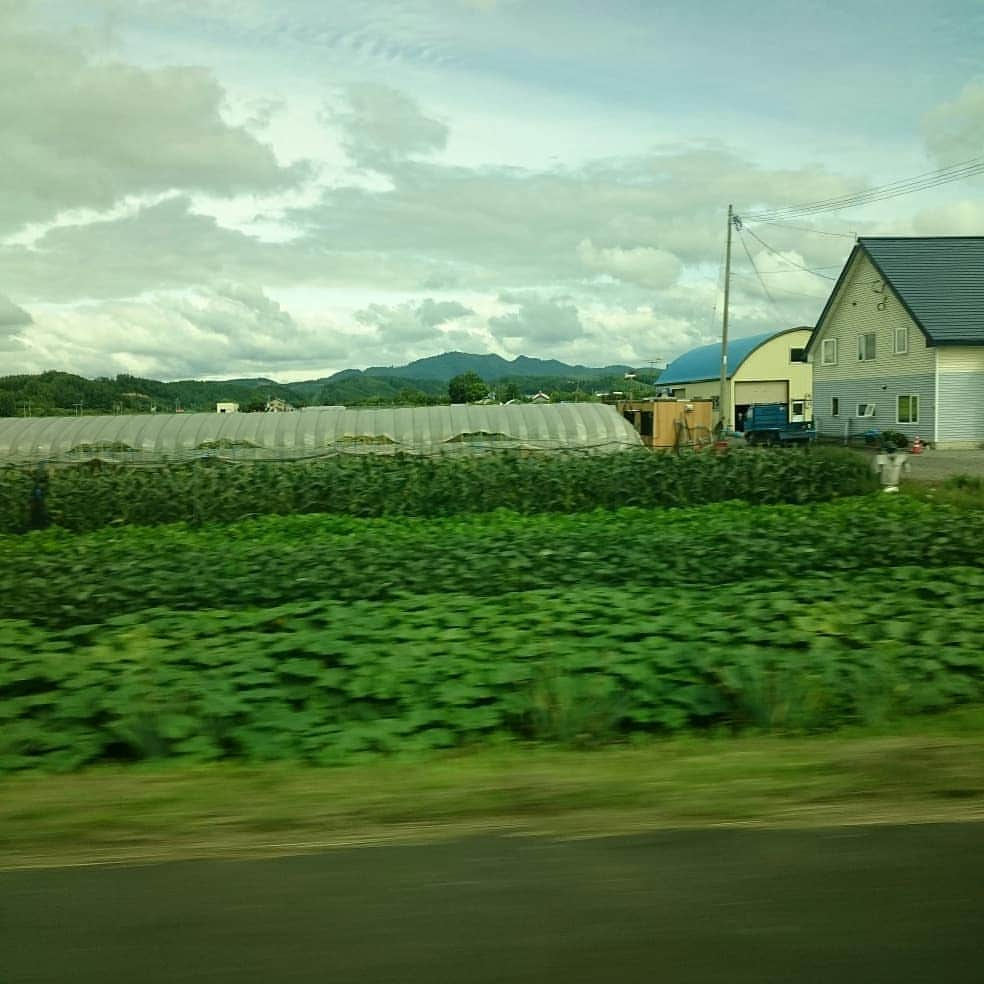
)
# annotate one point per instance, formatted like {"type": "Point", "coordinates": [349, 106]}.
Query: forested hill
{"type": "Point", "coordinates": [490, 367]}
{"type": "Point", "coordinates": [420, 382]}
{"type": "Point", "coordinates": [53, 393]}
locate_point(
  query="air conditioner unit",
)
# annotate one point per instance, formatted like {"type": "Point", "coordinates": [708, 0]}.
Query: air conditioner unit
{"type": "Point", "coordinates": [866, 409]}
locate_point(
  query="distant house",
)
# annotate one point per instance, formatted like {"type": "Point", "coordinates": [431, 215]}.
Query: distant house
{"type": "Point", "coordinates": [900, 342]}
{"type": "Point", "coordinates": [539, 397]}
{"type": "Point", "coordinates": [226, 407]}
{"type": "Point", "coordinates": [276, 405]}
{"type": "Point", "coordinates": [767, 368]}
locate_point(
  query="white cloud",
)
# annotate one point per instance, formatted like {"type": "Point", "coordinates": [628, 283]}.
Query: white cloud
{"type": "Point", "coordinates": [226, 330]}
{"type": "Point", "coordinates": [954, 130]}
{"type": "Point", "coordinates": [411, 322]}
{"type": "Point", "coordinates": [381, 125]}
{"type": "Point", "coordinates": [538, 321]}
{"type": "Point", "coordinates": [643, 265]}
{"type": "Point", "coordinates": [13, 320]}
{"type": "Point", "coordinates": [78, 131]}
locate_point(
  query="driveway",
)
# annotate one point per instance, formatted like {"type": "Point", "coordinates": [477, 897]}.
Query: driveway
{"type": "Point", "coordinates": [934, 466]}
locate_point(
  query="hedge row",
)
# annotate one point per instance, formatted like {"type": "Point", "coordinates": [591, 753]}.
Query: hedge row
{"type": "Point", "coordinates": [58, 579]}
{"type": "Point", "coordinates": [329, 681]}
{"type": "Point", "coordinates": [91, 496]}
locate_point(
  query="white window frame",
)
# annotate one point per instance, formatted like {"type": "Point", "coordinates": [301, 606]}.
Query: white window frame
{"type": "Point", "coordinates": [835, 406]}
{"type": "Point", "coordinates": [866, 416]}
{"type": "Point", "coordinates": [826, 360]}
{"type": "Point", "coordinates": [910, 397]}
{"type": "Point", "coordinates": [863, 348]}
{"type": "Point", "coordinates": [902, 333]}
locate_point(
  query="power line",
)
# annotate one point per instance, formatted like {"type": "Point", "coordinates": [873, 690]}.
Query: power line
{"type": "Point", "coordinates": [894, 189]}
{"type": "Point", "coordinates": [880, 193]}
{"type": "Point", "coordinates": [785, 273]}
{"type": "Point", "coordinates": [744, 246]}
{"type": "Point", "coordinates": [816, 232]}
{"type": "Point", "coordinates": [785, 259]}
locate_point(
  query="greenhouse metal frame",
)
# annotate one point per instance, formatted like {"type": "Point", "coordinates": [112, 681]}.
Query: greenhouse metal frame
{"type": "Point", "coordinates": [157, 439]}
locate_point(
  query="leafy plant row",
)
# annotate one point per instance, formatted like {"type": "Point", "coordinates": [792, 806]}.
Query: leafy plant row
{"type": "Point", "coordinates": [56, 578]}
{"type": "Point", "coordinates": [91, 496]}
{"type": "Point", "coordinates": [328, 682]}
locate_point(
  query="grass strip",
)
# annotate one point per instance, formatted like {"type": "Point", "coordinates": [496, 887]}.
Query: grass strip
{"type": "Point", "coordinates": [929, 769]}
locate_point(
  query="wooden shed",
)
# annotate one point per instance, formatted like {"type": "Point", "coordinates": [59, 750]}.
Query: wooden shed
{"type": "Point", "coordinates": [669, 423]}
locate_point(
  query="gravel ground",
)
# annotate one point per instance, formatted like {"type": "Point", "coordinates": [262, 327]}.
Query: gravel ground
{"type": "Point", "coordinates": [932, 466]}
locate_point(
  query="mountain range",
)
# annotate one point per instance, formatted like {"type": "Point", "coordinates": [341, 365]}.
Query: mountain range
{"type": "Point", "coordinates": [422, 381]}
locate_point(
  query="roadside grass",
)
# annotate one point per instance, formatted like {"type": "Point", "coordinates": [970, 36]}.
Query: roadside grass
{"type": "Point", "coordinates": [961, 491]}
{"type": "Point", "coordinates": [924, 769]}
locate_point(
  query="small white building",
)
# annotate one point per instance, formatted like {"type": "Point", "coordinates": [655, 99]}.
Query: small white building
{"type": "Point", "coordinates": [227, 407]}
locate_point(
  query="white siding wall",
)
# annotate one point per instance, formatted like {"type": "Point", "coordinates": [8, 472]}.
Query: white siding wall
{"type": "Point", "coordinates": [961, 395]}
{"type": "Point", "coordinates": [867, 304]}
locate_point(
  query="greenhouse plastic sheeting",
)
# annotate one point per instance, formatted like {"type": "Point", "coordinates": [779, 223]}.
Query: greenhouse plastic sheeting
{"type": "Point", "coordinates": [315, 432]}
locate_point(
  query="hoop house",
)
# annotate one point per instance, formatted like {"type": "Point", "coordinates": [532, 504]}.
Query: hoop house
{"type": "Point", "coordinates": [151, 439]}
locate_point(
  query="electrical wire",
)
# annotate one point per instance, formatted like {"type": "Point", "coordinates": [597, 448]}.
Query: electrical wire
{"type": "Point", "coordinates": [894, 189]}
{"type": "Point", "coordinates": [816, 232]}
{"type": "Point", "coordinates": [879, 193]}
{"type": "Point", "coordinates": [744, 246]}
{"type": "Point", "coordinates": [785, 259]}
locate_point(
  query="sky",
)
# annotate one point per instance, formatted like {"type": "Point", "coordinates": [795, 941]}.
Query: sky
{"type": "Point", "coordinates": [224, 188]}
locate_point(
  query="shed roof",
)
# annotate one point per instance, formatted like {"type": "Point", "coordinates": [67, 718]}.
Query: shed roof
{"type": "Point", "coordinates": [314, 432]}
{"type": "Point", "coordinates": [704, 363]}
{"type": "Point", "coordinates": [938, 279]}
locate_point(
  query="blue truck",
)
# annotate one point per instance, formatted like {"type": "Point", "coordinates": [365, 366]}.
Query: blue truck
{"type": "Point", "coordinates": [769, 423]}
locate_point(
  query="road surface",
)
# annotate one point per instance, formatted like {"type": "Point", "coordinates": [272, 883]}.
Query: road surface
{"type": "Point", "coordinates": [869, 904]}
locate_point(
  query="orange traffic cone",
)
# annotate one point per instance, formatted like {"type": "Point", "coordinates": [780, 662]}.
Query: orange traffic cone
{"type": "Point", "coordinates": [917, 445]}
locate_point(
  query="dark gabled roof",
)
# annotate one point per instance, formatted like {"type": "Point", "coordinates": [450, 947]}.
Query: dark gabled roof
{"type": "Point", "coordinates": [938, 279]}
{"type": "Point", "coordinates": [704, 363]}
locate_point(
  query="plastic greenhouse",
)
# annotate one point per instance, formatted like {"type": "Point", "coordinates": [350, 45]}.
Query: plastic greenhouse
{"type": "Point", "coordinates": [151, 439]}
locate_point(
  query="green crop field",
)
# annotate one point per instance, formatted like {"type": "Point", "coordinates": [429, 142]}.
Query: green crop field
{"type": "Point", "coordinates": [327, 639]}
{"type": "Point", "coordinates": [87, 497]}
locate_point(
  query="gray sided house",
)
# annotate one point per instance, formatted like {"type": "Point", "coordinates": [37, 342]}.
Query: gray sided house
{"type": "Point", "coordinates": [900, 343]}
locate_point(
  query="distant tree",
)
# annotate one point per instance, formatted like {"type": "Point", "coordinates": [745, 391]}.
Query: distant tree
{"type": "Point", "coordinates": [507, 391]}
{"type": "Point", "coordinates": [469, 387]}
{"type": "Point", "coordinates": [256, 405]}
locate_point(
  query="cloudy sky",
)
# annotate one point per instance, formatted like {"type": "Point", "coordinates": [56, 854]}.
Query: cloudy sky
{"type": "Point", "coordinates": [246, 187]}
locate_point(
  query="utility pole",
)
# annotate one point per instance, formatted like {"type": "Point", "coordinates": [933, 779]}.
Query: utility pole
{"type": "Point", "coordinates": [724, 411]}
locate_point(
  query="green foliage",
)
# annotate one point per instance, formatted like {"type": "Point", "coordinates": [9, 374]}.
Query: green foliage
{"type": "Point", "coordinates": [331, 681]}
{"type": "Point", "coordinates": [894, 438]}
{"type": "Point", "coordinates": [93, 495]}
{"type": "Point", "coordinates": [58, 578]}
{"type": "Point", "coordinates": [58, 393]}
{"type": "Point", "coordinates": [469, 387]}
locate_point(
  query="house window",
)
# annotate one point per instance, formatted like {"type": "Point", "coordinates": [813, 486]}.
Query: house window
{"type": "Point", "coordinates": [828, 354]}
{"type": "Point", "coordinates": [908, 410]}
{"type": "Point", "coordinates": [797, 408]}
{"type": "Point", "coordinates": [866, 409]}
{"type": "Point", "coordinates": [901, 340]}
{"type": "Point", "coordinates": [866, 347]}
{"type": "Point", "coordinates": [797, 355]}
{"type": "Point", "coordinates": [835, 406]}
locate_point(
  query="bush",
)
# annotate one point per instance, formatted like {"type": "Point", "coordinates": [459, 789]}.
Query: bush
{"type": "Point", "coordinates": [93, 495]}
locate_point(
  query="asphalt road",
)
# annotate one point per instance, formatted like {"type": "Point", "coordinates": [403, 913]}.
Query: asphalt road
{"type": "Point", "coordinates": [861, 905]}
